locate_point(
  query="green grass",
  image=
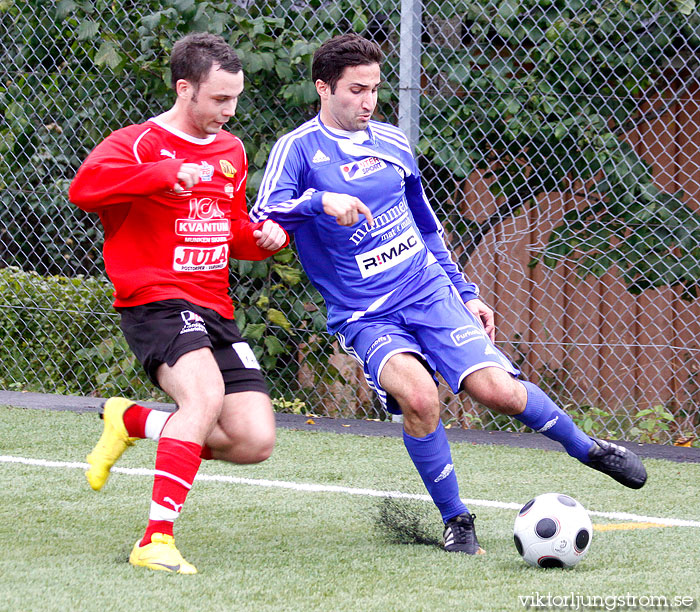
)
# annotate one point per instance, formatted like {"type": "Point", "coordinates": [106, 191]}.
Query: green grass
{"type": "Point", "coordinates": [64, 547]}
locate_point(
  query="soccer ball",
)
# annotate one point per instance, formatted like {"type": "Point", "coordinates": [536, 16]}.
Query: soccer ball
{"type": "Point", "coordinates": [552, 530]}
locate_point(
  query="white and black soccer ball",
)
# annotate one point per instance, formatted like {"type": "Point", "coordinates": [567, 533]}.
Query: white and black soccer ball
{"type": "Point", "coordinates": [553, 530]}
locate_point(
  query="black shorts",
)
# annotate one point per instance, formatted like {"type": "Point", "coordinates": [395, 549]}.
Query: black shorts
{"type": "Point", "coordinates": [162, 332]}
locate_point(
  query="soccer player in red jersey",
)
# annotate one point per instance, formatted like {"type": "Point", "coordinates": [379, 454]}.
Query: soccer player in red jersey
{"type": "Point", "coordinates": [170, 193]}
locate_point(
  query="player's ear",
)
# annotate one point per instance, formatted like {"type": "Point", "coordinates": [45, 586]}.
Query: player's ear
{"type": "Point", "coordinates": [183, 89]}
{"type": "Point", "coordinates": [323, 89]}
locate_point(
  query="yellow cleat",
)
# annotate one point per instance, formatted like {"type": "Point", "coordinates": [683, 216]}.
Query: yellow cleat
{"type": "Point", "coordinates": [161, 554]}
{"type": "Point", "coordinates": [112, 442]}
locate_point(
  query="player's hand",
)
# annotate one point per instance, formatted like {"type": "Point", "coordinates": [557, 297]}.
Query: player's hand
{"type": "Point", "coordinates": [482, 312]}
{"type": "Point", "coordinates": [270, 236]}
{"type": "Point", "coordinates": [345, 208]}
{"type": "Point", "coordinates": [187, 177]}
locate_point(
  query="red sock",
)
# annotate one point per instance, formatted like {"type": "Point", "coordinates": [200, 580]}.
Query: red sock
{"type": "Point", "coordinates": [135, 420]}
{"type": "Point", "coordinates": [177, 463]}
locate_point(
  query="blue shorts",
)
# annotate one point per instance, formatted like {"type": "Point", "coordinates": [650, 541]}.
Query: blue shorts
{"type": "Point", "coordinates": [440, 330]}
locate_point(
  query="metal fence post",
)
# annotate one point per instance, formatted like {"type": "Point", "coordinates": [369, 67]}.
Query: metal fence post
{"type": "Point", "coordinates": [409, 69]}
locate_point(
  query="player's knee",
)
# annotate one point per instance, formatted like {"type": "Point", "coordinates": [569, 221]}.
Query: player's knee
{"type": "Point", "coordinates": [211, 402]}
{"type": "Point", "coordinates": [421, 404]}
{"type": "Point", "coordinates": [497, 390]}
{"type": "Point", "coordinates": [254, 448]}
{"type": "Point", "coordinates": [262, 448]}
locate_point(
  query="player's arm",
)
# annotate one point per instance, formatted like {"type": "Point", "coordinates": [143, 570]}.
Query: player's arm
{"type": "Point", "coordinates": [251, 241]}
{"type": "Point", "coordinates": [434, 237]}
{"type": "Point", "coordinates": [285, 195]}
{"type": "Point", "coordinates": [482, 312]}
{"type": "Point", "coordinates": [112, 174]}
{"type": "Point", "coordinates": [256, 241]}
{"type": "Point", "coordinates": [345, 208]}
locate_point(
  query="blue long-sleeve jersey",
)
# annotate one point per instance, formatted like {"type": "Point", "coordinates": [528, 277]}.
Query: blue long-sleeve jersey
{"type": "Point", "coordinates": [359, 270]}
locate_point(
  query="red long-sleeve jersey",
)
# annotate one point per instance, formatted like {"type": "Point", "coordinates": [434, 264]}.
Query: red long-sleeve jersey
{"type": "Point", "coordinates": [160, 244]}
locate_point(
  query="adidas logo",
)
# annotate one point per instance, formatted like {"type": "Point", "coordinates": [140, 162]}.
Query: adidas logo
{"type": "Point", "coordinates": [446, 471]}
{"type": "Point", "coordinates": [319, 157]}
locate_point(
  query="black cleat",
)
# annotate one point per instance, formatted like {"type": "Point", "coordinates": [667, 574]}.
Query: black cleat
{"type": "Point", "coordinates": [460, 536]}
{"type": "Point", "coordinates": [617, 462]}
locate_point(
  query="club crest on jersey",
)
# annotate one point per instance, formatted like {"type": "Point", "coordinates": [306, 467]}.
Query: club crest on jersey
{"type": "Point", "coordinates": [227, 168]}
{"type": "Point", "coordinates": [207, 171]}
{"type": "Point", "coordinates": [361, 169]}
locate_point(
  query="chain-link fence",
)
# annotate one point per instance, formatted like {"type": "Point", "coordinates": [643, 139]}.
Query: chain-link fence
{"type": "Point", "coordinates": [558, 144]}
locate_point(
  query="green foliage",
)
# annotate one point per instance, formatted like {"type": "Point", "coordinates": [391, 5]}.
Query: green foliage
{"type": "Point", "coordinates": [652, 424]}
{"type": "Point", "coordinates": [79, 69]}
{"type": "Point", "coordinates": [273, 325]}
{"type": "Point", "coordinates": [113, 370]}
{"type": "Point", "coordinates": [65, 331]}
{"type": "Point", "coordinates": [542, 94]}
{"type": "Point", "coordinates": [654, 241]}
{"type": "Point", "coordinates": [46, 323]}
{"type": "Point", "coordinates": [295, 406]}
{"type": "Point", "coordinates": [593, 421]}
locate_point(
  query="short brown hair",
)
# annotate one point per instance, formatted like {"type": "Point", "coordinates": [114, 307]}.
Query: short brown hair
{"type": "Point", "coordinates": [194, 55]}
{"type": "Point", "coordinates": [339, 52]}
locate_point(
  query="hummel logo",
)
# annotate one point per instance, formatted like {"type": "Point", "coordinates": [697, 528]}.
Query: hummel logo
{"type": "Point", "coordinates": [319, 157]}
{"type": "Point", "coordinates": [446, 471]}
{"type": "Point", "coordinates": [549, 424]}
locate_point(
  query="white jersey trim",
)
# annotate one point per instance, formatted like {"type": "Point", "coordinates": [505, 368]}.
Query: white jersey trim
{"type": "Point", "coordinates": [180, 134]}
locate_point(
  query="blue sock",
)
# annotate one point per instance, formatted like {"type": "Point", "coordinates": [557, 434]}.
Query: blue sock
{"type": "Point", "coordinates": [432, 457]}
{"type": "Point", "coordinates": [545, 417]}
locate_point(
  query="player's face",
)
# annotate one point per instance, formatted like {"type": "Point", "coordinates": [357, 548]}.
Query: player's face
{"type": "Point", "coordinates": [351, 105]}
{"type": "Point", "coordinates": [209, 108]}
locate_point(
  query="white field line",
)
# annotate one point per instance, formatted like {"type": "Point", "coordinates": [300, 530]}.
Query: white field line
{"type": "Point", "coordinates": [321, 488]}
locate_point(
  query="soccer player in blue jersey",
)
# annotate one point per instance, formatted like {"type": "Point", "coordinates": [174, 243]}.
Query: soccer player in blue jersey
{"type": "Point", "coordinates": [349, 189]}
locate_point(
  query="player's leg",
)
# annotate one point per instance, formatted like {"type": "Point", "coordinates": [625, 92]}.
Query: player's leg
{"type": "Point", "coordinates": [391, 356]}
{"type": "Point", "coordinates": [124, 422]}
{"type": "Point", "coordinates": [460, 350]}
{"type": "Point", "coordinates": [407, 381]}
{"type": "Point", "coordinates": [245, 431]}
{"type": "Point", "coordinates": [498, 390]}
{"type": "Point", "coordinates": [196, 385]}
{"type": "Point", "coordinates": [244, 434]}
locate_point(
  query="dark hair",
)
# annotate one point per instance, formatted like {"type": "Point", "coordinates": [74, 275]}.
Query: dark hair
{"type": "Point", "coordinates": [194, 55]}
{"type": "Point", "coordinates": [339, 52]}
